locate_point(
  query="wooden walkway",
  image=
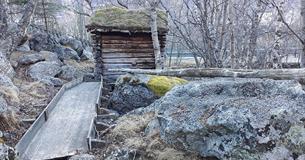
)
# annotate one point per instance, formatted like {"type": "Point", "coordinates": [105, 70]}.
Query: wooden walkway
{"type": "Point", "coordinates": [65, 131]}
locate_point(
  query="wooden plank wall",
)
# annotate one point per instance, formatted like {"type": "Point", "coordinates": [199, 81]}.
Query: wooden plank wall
{"type": "Point", "coordinates": [126, 50]}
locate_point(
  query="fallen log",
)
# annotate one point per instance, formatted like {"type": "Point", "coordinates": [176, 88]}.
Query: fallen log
{"type": "Point", "coordinates": [277, 74]}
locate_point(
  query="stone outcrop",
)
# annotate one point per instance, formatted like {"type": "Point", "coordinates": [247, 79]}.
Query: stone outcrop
{"type": "Point", "coordinates": [69, 73]}
{"type": "Point", "coordinates": [234, 119]}
{"type": "Point", "coordinates": [50, 56]}
{"type": "Point", "coordinates": [66, 53]}
{"type": "Point", "coordinates": [46, 73]}
{"type": "Point", "coordinates": [72, 43]}
{"type": "Point", "coordinates": [28, 59]}
{"type": "Point", "coordinates": [137, 91]}
{"type": "Point", "coordinates": [8, 90]}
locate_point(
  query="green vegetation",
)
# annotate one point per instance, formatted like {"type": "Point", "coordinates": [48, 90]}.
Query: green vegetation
{"type": "Point", "coordinates": [162, 84]}
{"type": "Point", "coordinates": [121, 18]}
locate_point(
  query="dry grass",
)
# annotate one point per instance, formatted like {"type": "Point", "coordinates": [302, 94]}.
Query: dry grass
{"type": "Point", "coordinates": [10, 94]}
{"type": "Point", "coordinates": [121, 18]}
{"type": "Point", "coordinates": [129, 133]}
{"type": "Point", "coordinates": [84, 66]}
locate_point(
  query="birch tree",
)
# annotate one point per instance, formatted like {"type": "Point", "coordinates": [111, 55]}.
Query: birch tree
{"type": "Point", "coordinates": [159, 59]}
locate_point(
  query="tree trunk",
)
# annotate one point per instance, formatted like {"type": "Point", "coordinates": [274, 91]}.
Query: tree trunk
{"type": "Point", "coordinates": [232, 37]}
{"type": "Point", "coordinates": [154, 34]}
{"type": "Point", "coordinates": [278, 38]}
{"type": "Point", "coordinates": [253, 35]}
{"type": "Point", "coordinates": [277, 74]}
{"type": "Point", "coordinates": [303, 33]}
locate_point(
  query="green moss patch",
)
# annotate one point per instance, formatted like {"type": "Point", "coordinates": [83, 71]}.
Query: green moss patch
{"type": "Point", "coordinates": [162, 84]}
{"type": "Point", "coordinates": [124, 19]}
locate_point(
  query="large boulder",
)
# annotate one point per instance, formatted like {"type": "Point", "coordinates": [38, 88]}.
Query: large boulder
{"type": "Point", "coordinates": [234, 119]}
{"type": "Point", "coordinates": [66, 53]}
{"type": "Point", "coordinates": [24, 47]}
{"type": "Point", "coordinates": [87, 54]}
{"type": "Point", "coordinates": [5, 66]}
{"type": "Point", "coordinates": [135, 91]}
{"type": "Point", "coordinates": [41, 41]}
{"type": "Point", "coordinates": [50, 56]}
{"type": "Point", "coordinates": [45, 72]}
{"type": "Point", "coordinates": [28, 59]}
{"type": "Point", "coordinates": [8, 90]}
{"type": "Point", "coordinates": [69, 73]}
{"type": "Point", "coordinates": [72, 43]}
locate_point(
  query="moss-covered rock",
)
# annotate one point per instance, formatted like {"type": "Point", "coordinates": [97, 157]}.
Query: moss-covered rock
{"type": "Point", "coordinates": [121, 18]}
{"type": "Point", "coordinates": [136, 91]}
{"type": "Point", "coordinates": [162, 84]}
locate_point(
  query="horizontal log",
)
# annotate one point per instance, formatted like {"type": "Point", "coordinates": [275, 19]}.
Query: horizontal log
{"type": "Point", "coordinates": [277, 74]}
{"type": "Point", "coordinates": [138, 38]}
{"type": "Point", "coordinates": [127, 55]}
{"type": "Point", "coordinates": [129, 60]}
{"type": "Point", "coordinates": [106, 50]}
{"type": "Point", "coordinates": [128, 46]}
{"type": "Point", "coordinates": [124, 42]}
{"type": "Point", "coordinates": [138, 65]}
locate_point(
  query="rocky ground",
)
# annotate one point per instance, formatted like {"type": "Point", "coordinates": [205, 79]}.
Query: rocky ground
{"type": "Point", "coordinates": [212, 119]}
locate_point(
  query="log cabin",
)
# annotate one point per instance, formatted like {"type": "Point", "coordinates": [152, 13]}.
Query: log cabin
{"type": "Point", "coordinates": [122, 39]}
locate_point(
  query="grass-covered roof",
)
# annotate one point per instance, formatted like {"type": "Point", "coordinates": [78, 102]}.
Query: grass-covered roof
{"type": "Point", "coordinates": [124, 19]}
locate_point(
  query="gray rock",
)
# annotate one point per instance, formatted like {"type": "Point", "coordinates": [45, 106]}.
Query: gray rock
{"type": "Point", "coordinates": [83, 157]}
{"type": "Point", "coordinates": [69, 73]}
{"type": "Point", "coordinates": [136, 91]}
{"type": "Point", "coordinates": [5, 66]}
{"type": "Point", "coordinates": [7, 153]}
{"type": "Point", "coordinates": [73, 43]}
{"type": "Point", "coordinates": [234, 119]}
{"type": "Point", "coordinates": [8, 90]}
{"type": "Point", "coordinates": [66, 53]}
{"type": "Point", "coordinates": [87, 54]}
{"type": "Point", "coordinates": [130, 93]}
{"type": "Point", "coordinates": [45, 72]}
{"type": "Point", "coordinates": [52, 81]}
{"type": "Point", "coordinates": [30, 59]}
{"type": "Point", "coordinates": [50, 56]}
{"type": "Point", "coordinates": [24, 47]}
{"type": "Point", "coordinates": [40, 41]}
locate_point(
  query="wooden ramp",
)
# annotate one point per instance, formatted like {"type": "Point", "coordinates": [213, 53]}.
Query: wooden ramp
{"type": "Point", "coordinates": [61, 130]}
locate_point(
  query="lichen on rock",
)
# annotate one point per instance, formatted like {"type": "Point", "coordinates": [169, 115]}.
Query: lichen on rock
{"type": "Point", "coordinates": [136, 91]}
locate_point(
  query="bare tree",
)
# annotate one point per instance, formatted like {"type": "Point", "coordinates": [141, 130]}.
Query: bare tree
{"type": "Point", "coordinates": [154, 33]}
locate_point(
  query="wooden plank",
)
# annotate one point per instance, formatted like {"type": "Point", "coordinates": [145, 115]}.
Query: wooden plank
{"type": "Point", "coordinates": [133, 38]}
{"type": "Point", "coordinates": [107, 50]}
{"type": "Point", "coordinates": [119, 66]}
{"type": "Point", "coordinates": [124, 42]}
{"type": "Point", "coordinates": [128, 60]}
{"type": "Point", "coordinates": [128, 46]}
{"type": "Point", "coordinates": [127, 55]}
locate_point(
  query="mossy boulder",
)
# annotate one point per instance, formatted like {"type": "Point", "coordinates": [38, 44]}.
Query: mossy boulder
{"type": "Point", "coordinates": [135, 91]}
{"type": "Point", "coordinates": [162, 84]}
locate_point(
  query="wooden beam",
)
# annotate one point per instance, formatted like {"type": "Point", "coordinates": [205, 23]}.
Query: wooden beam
{"type": "Point", "coordinates": [277, 74]}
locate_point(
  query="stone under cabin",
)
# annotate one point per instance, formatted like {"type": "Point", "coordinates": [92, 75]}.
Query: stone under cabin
{"type": "Point", "coordinates": [122, 39]}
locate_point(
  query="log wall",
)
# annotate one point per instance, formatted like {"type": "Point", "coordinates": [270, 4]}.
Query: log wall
{"type": "Point", "coordinates": [116, 50]}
